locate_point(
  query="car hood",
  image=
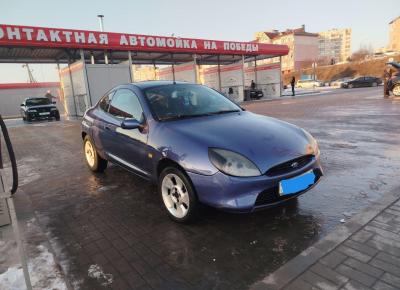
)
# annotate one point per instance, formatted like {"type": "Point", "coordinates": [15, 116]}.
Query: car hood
{"type": "Point", "coordinates": [264, 140]}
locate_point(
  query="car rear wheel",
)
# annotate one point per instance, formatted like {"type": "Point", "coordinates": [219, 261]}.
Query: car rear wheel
{"type": "Point", "coordinates": [351, 86]}
{"type": "Point", "coordinates": [374, 84]}
{"type": "Point", "coordinates": [178, 195]}
{"type": "Point", "coordinates": [396, 90]}
{"type": "Point", "coordinates": [93, 160]}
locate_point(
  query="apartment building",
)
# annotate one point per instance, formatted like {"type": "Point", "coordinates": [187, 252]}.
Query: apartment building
{"type": "Point", "coordinates": [303, 47]}
{"type": "Point", "coordinates": [334, 45]}
{"type": "Point", "coordinates": [394, 35]}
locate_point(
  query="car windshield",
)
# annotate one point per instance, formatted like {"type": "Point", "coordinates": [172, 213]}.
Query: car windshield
{"type": "Point", "coordinates": [38, 102]}
{"type": "Point", "coordinates": [179, 101]}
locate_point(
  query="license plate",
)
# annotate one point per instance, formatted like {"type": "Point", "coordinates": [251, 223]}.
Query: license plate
{"type": "Point", "coordinates": [44, 114]}
{"type": "Point", "coordinates": [297, 184]}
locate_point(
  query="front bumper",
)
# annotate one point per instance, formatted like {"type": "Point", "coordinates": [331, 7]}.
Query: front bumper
{"type": "Point", "coordinates": [37, 116]}
{"type": "Point", "coordinates": [246, 194]}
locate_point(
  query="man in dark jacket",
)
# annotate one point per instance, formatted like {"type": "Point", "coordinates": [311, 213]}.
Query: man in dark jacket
{"type": "Point", "coordinates": [292, 83]}
{"type": "Point", "coordinates": [253, 85]}
{"type": "Point", "coordinates": [387, 74]}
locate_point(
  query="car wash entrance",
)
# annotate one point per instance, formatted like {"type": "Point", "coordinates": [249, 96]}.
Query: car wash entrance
{"type": "Point", "coordinates": [92, 62]}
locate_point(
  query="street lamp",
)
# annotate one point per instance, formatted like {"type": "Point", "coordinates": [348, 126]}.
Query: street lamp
{"type": "Point", "coordinates": [100, 16]}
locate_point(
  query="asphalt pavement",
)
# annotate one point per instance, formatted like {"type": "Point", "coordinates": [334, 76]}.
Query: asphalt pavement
{"type": "Point", "coordinates": [115, 220]}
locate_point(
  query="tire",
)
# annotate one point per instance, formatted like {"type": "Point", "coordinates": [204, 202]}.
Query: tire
{"type": "Point", "coordinates": [374, 84]}
{"type": "Point", "coordinates": [178, 195]}
{"type": "Point", "coordinates": [28, 119]}
{"type": "Point", "coordinates": [396, 90]}
{"type": "Point", "coordinates": [350, 86]}
{"type": "Point", "coordinates": [92, 158]}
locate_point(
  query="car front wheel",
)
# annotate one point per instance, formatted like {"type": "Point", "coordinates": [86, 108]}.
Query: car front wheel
{"type": "Point", "coordinates": [93, 160]}
{"type": "Point", "coordinates": [178, 195]}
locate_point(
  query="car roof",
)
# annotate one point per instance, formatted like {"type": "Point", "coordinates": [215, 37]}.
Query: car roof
{"type": "Point", "coordinates": [150, 84]}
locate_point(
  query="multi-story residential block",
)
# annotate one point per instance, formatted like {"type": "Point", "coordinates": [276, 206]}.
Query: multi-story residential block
{"type": "Point", "coordinates": [303, 47]}
{"type": "Point", "coordinates": [334, 45]}
{"type": "Point", "coordinates": [394, 35]}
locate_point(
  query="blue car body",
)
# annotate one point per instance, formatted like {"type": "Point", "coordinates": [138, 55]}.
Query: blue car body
{"type": "Point", "coordinates": [280, 150]}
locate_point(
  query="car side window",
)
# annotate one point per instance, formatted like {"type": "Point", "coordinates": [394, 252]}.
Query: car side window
{"type": "Point", "coordinates": [126, 105]}
{"type": "Point", "coordinates": [104, 103]}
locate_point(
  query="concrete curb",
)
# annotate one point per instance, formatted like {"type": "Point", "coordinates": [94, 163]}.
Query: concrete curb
{"type": "Point", "coordinates": [295, 267]}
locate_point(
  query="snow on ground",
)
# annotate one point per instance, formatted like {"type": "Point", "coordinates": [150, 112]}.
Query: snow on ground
{"type": "Point", "coordinates": [96, 272]}
{"type": "Point", "coordinates": [42, 270]}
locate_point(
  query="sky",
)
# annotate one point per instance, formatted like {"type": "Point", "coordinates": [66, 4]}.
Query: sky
{"type": "Point", "coordinates": [212, 19]}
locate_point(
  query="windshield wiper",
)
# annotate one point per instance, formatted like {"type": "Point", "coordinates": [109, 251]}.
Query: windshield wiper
{"type": "Point", "coordinates": [223, 112]}
{"type": "Point", "coordinates": [184, 116]}
{"type": "Point", "coordinates": [178, 117]}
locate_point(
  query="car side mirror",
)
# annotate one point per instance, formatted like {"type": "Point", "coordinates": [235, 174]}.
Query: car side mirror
{"type": "Point", "coordinates": [22, 105]}
{"type": "Point", "coordinates": [130, 124]}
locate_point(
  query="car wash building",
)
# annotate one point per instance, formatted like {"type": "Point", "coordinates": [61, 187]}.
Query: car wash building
{"type": "Point", "coordinates": [92, 62]}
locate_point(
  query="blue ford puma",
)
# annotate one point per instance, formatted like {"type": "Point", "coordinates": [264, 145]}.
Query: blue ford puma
{"type": "Point", "coordinates": [199, 147]}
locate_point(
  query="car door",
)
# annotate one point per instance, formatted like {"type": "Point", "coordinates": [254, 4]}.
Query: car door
{"type": "Point", "coordinates": [127, 147]}
{"type": "Point", "coordinates": [364, 82]}
{"type": "Point", "coordinates": [100, 135]}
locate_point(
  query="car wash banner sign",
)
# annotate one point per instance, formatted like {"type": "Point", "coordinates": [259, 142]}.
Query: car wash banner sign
{"type": "Point", "coordinates": [28, 36]}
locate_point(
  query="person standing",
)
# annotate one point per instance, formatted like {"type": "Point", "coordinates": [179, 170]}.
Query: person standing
{"type": "Point", "coordinates": [292, 83]}
{"type": "Point", "coordinates": [49, 96]}
{"type": "Point", "coordinates": [387, 74]}
{"type": "Point", "coordinates": [253, 85]}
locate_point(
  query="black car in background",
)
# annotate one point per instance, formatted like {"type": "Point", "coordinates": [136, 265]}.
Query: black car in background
{"type": "Point", "coordinates": [359, 82]}
{"type": "Point", "coordinates": [39, 109]}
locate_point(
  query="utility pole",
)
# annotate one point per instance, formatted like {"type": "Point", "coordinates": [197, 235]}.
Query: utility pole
{"type": "Point", "coordinates": [31, 78]}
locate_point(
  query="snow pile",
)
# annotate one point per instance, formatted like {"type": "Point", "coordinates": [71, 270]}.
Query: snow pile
{"type": "Point", "coordinates": [96, 272]}
{"type": "Point", "coordinates": [42, 270]}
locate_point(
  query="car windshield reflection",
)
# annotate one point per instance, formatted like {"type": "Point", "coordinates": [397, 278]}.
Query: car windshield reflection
{"type": "Point", "coordinates": [181, 101]}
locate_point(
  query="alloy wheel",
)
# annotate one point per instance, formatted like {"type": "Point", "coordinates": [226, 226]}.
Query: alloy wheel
{"type": "Point", "coordinates": [89, 153]}
{"type": "Point", "coordinates": [175, 195]}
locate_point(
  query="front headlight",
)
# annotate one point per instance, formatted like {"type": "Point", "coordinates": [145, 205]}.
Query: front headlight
{"type": "Point", "coordinates": [232, 163]}
{"type": "Point", "coordinates": [313, 148]}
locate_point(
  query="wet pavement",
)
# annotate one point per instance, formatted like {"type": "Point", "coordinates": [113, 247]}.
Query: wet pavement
{"type": "Point", "coordinates": [115, 220]}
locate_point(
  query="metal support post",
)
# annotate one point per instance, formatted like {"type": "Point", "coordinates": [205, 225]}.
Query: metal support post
{"type": "Point", "coordinates": [173, 67]}
{"type": "Point", "coordinates": [255, 71]}
{"type": "Point", "coordinates": [243, 81]}
{"type": "Point", "coordinates": [131, 73]}
{"type": "Point", "coordinates": [196, 73]}
{"type": "Point", "coordinates": [72, 88]}
{"type": "Point", "coordinates": [219, 74]}
{"type": "Point", "coordinates": [105, 57]}
{"type": "Point", "coordinates": [85, 76]}
{"type": "Point", "coordinates": [280, 76]}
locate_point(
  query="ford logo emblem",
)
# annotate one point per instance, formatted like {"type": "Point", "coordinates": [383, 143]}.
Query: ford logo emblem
{"type": "Point", "coordinates": [294, 165]}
